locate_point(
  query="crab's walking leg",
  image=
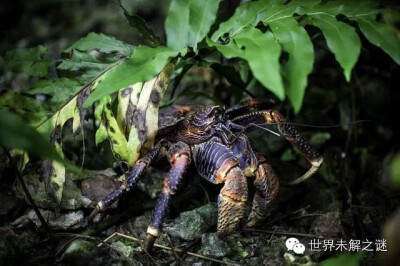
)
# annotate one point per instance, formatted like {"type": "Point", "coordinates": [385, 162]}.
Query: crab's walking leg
{"type": "Point", "coordinates": [140, 166]}
{"type": "Point", "coordinates": [216, 163]}
{"type": "Point", "coordinates": [179, 156]}
{"type": "Point", "coordinates": [266, 182]}
{"type": "Point", "coordinates": [267, 186]}
{"type": "Point", "coordinates": [289, 132]}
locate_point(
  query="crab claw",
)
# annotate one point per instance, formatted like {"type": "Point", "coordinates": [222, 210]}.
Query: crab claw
{"type": "Point", "coordinates": [315, 165]}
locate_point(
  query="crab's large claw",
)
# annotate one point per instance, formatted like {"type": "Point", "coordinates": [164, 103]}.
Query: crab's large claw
{"type": "Point", "coordinates": [267, 186]}
{"type": "Point", "coordinates": [216, 163]}
{"type": "Point", "coordinates": [231, 201]}
{"type": "Point", "coordinates": [290, 133]}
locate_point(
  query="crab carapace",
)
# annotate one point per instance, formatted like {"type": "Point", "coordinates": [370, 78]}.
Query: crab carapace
{"type": "Point", "coordinates": [214, 140]}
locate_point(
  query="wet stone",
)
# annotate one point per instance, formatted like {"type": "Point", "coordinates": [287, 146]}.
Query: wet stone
{"type": "Point", "coordinates": [213, 246]}
{"type": "Point", "coordinates": [328, 225]}
{"type": "Point", "coordinates": [192, 224]}
{"type": "Point", "coordinates": [124, 249]}
{"type": "Point", "coordinates": [80, 248]}
{"type": "Point", "coordinates": [98, 185]}
{"type": "Point", "coordinates": [72, 197]}
{"type": "Point", "coordinates": [63, 221]}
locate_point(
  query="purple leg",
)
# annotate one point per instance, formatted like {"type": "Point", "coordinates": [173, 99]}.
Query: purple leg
{"type": "Point", "coordinates": [179, 157]}
{"type": "Point", "coordinates": [140, 166]}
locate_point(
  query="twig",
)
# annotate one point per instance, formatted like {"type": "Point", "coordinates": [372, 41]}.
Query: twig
{"type": "Point", "coordinates": [272, 235]}
{"type": "Point", "coordinates": [176, 256]}
{"type": "Point", "coordinates": [234, 80]}
{"type": "Point", "coordinates": [281, 233]}
{"type": "Point", "coordinates": [205, 192]}
{"type": "Point", "coordinates": [180, 251]}
{"type": "Point", "coordinates": [288, 215]}
{"type": "Point", "coordinates": [178, 79]}
{"type": "Point", "coordinates": [305, 216]}
{"type": "Point", "coordinates": [364, 207]}
{"type": "Point", "coordinates": [30, 199]}
{"type": "Point", "coordinates": [141, 245]}
{"type": "Point", "coordinates": [66, 245]}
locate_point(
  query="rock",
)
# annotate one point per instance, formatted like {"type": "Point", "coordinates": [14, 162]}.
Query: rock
{"type": "Point", "coordinates": [82, 252]}
{"type": "Point", "coordinates": [21, 222]}
{"type": "Point", "coordinates": [124, 253]}
{"type": "Point", "coordinates": [328, 225]}
{"type": "Point", "coordinates": [213, 246]}
{"type": "Point", "coordinates": [192, 224]}
{"type": "Point", "coordinates": [152, 182]}
{"type": "Point", "coordinates": [16, 248]}
{"type": "Point", "coordinates": [273, 253]}
{"type": "Point", "coordinates": [79, 248]}
{"type": "Point", "coordinates": [8, 202]}
{"type": "Point", "coordinates": [124, 249]}
{"type": "Point", "coordinates": [305, 260]}
{"type": "Point", "coordinates": [139, 224]}
{"type": "Point", "coordinates": [98, 185]}
{"type": "Point", "coordinates": [63, 221]}
{"type": "Point", "coordinates": [72, 198]}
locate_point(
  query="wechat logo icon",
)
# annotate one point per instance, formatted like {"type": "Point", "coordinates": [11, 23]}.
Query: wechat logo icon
{"type": "Point", "coordinates": [295, 245]}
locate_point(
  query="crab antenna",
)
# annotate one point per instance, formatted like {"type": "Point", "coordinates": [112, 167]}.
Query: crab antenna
{"type": "Point", "coordinates": [267, 129]}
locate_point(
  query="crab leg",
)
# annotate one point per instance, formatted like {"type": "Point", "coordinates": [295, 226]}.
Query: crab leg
{"type": "Point", "coordinates": [179, 157]}
{"type": "Point", "coordinates": [266, 182]}
{"type": "Point", "coordinates": [216, 163]}
{"type": "Point", "coordinates": [289, 132]}
{"type": "Point", "coordinates": [247, 106]}
{"type": "Point", "coordinates": [267, 186]}
{"type": "Point", "coordinates": [140, 166]}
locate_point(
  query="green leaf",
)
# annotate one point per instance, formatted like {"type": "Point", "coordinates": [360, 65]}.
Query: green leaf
{"type": "Point", "coordinates": [189, 21]}
{"type": "Point", "coordinates": [29, 109]}
{"type": "Point", "coordinates": [262, 53]}
{"type": "Point", "coordinates": [88, 63]}
{"type": "Point", "coordinates": [294, 40]}
{"type": "Point", "coordinates": [112, 130]}
{"type": "Point", "coordinates": [68, 111]}
{"type": "Point", "coordinates": [32, 62]}
{"type": "Point", "coordinates": [59, 89]}
{"type": "Point", "coordinates": [344, 259]}
{"type": "Point", "coordinates": [101, 43]}
{"type": "Point", "coordinates": [141, 26]}
{"type": "Point", "coordinates": [385, 36]}
{"type": "Point", "coordinates": [144, 64]}
{"type": "Point", "coordinates": [177, 25]}
{"type": "Point", "coordinates": [342, 40]}
{"type": "Point", "coordinates": [86, 58]}
{"type": "Point", "coordinates": [17, 134]}
{"type": "Point", "coordinates": [57, 178]}
{"type": "Point", "coordinates": [134, 130]}
{"type": "Point", "coordinates": [244, 15]}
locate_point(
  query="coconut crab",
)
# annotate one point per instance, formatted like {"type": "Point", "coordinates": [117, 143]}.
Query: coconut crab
{"type": "Point", "coordinates": [213, 139]}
